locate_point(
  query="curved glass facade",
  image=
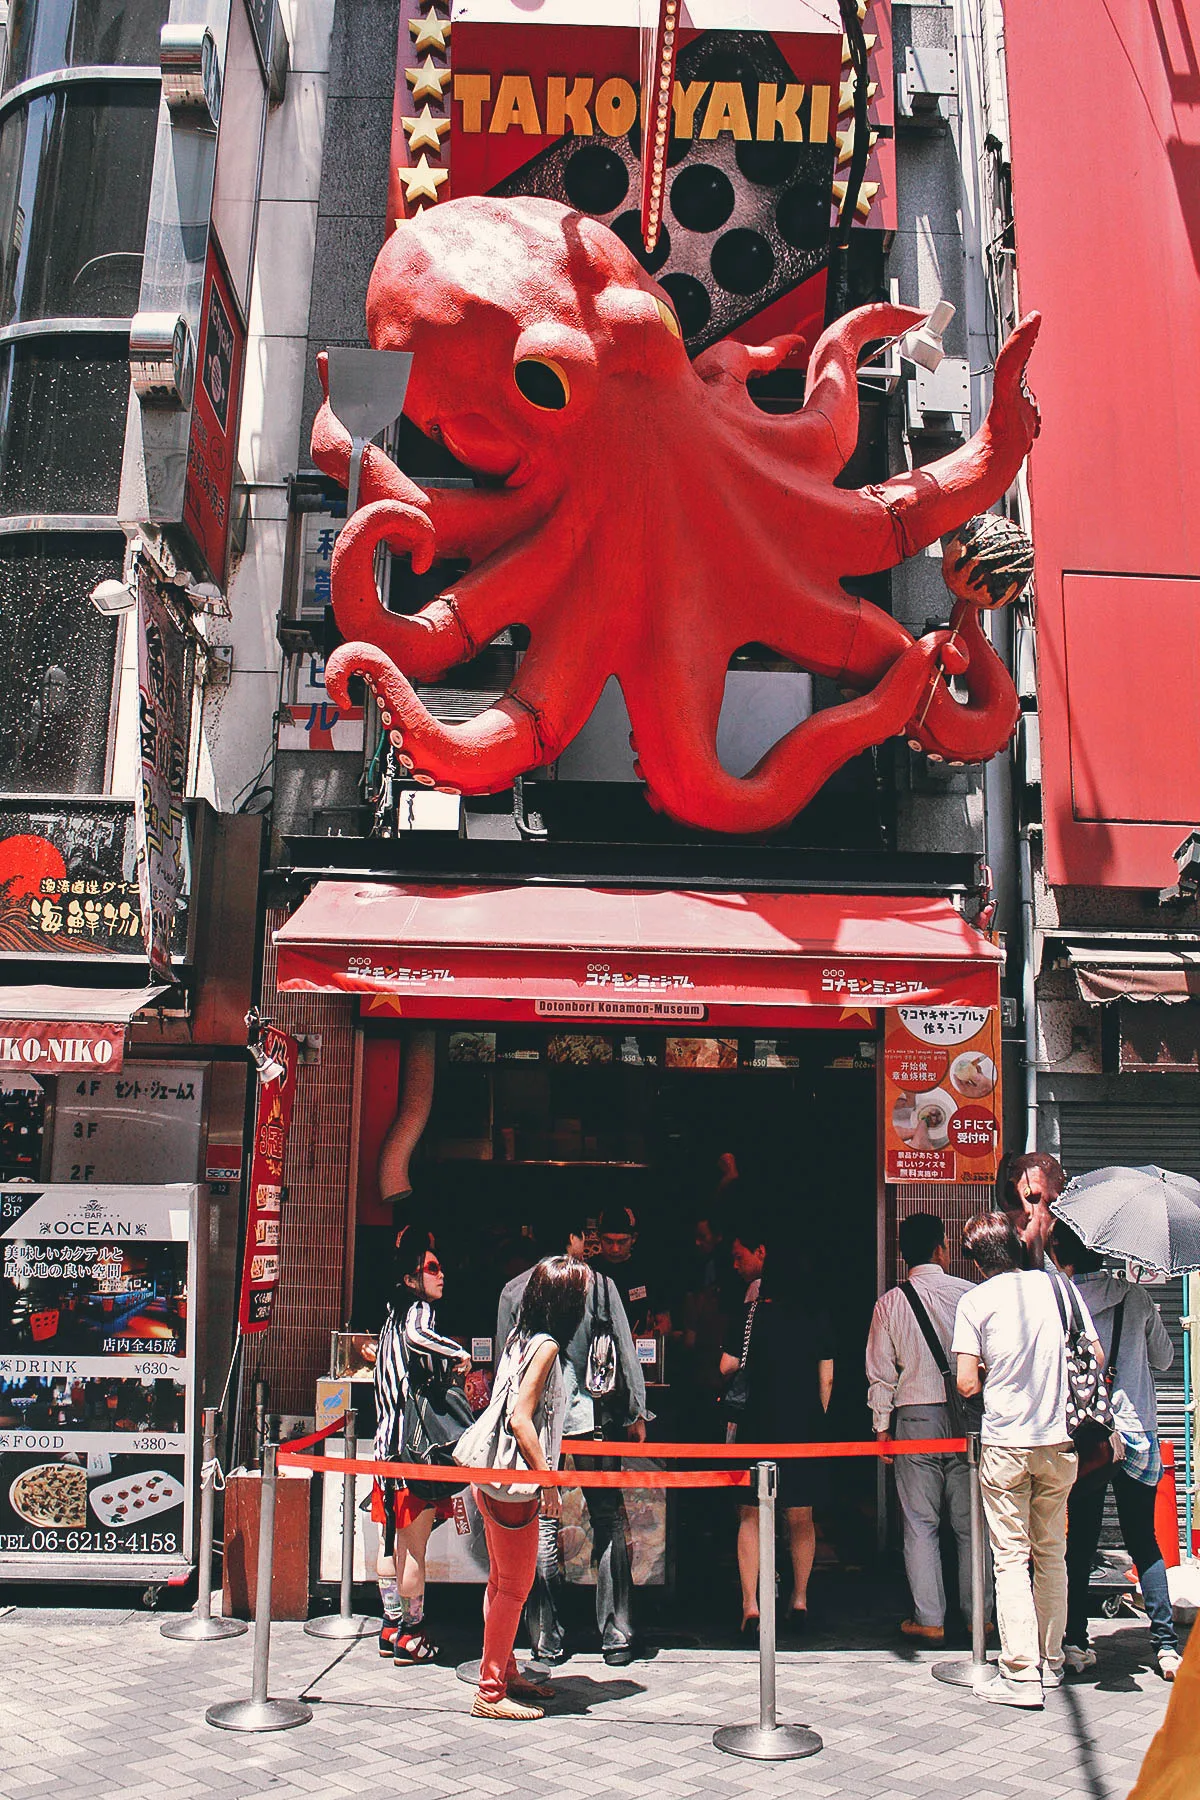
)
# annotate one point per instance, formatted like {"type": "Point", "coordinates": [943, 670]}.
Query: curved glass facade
{"type": "Point", "coordinates": [62, 34]}
{"type": "Point", "coordinates": [75, 167]}
{"type": "Point", "coordinates": [62, 424]}
{"type": "Point", "coordinates": [54, 731]}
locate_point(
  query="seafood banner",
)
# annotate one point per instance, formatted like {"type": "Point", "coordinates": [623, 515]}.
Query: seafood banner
{"type": "Point", "coordinates": [97, 1353]}
{"type": "Point", "coordinates": [942, 1108]}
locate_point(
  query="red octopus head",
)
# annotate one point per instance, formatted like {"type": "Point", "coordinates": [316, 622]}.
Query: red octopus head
{"type": "Point", "coordinates": [514, 311]}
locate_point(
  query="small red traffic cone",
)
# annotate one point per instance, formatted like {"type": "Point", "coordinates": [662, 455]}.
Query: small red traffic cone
{"type": "Point", "coordinates": [1166, 1509]}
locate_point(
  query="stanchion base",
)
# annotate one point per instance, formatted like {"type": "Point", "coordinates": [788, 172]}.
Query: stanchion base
{"type": "Point", "coordinates": [258, 1715]}
{"type": "Point", "coordinates": [195, 1629]}
{"type": "Point", "coordinates": [332, 1625]}
{"type": "Point", "coordinates": [532, 1671]}
{"type": "Point", "coordinates": [782, 1743]}
{"type": "Point", "coordinates": [965, 1672]}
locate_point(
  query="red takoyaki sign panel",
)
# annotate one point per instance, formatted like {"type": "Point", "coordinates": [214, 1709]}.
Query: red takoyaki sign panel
{"type": "Point", "coordinates": [942, 1117]}
{"type": "Point", "coordinates": [551, 106]}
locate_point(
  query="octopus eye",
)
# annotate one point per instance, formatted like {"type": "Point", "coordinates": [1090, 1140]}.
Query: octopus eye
{"type": "Point", "coordinates": [668, 318]}
{"type": "Point", "coordinates": [543, 382]}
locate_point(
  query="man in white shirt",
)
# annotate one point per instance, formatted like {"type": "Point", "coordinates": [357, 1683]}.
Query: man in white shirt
{"type": "Point", "coordinates": [907, 1395]}
{"type": "Point", "coordinates": [1008, 1338]}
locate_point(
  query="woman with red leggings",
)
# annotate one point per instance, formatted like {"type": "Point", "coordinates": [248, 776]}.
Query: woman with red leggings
{"type": "Point", "coordinates": [529, 1375]}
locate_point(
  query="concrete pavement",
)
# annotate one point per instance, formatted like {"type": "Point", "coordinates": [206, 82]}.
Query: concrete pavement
{"type": "Point", "coordinates": [102, 1700]}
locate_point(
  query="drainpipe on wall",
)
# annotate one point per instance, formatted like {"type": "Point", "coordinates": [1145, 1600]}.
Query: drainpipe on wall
{"type": "Point", "coordinates": [1029, 991]}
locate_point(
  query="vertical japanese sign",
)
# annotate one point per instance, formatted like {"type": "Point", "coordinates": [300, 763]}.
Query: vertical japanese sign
{"type": "Point", "coordinates": [213, 443]}
{"type": "Point", "coordinates": [942, 1093]}
{"type": "Point", "coordinates": [98, 1309]}
{"type": "Point", "coordinates": [164, 709]}
{"type": "Point", "coordinates": [260, 1261]}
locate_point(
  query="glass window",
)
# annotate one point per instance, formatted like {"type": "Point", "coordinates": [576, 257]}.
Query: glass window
{"type": "Point", "coordinates": [75, 168]}
{"type": "Point", "coordinates": [57, 655]}
{"type": "Point", "coordinates": [62, 423]}
{"type": "Point", "coordinates": [63, 34]}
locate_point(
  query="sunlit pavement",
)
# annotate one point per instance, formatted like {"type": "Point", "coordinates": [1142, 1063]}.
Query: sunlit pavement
{"type": "Point", "coordinates": [101, 1700]}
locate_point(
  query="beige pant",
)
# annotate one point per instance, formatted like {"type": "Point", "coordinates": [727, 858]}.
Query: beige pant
{"type": "Point", "coordinates": [1025, 1499]}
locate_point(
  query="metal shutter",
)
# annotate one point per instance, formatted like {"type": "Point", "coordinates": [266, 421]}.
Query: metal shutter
{"type": "Point", "coordinates": [1093, 1136]}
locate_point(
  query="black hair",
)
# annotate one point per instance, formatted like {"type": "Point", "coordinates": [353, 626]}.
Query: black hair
{"type": "Point", "coordinates": [990, 1240]}
{"type": "Point", "coordinates": [1070, 1248]}
{"type": "Point", "coordinates": [554, 1299]}
{"type": "Point", "coordinates": [413, 1244]}
{"type": "Point", "coordinates": [618, 1221]}
{"type": "Point", "coordinates": [919, 1236]}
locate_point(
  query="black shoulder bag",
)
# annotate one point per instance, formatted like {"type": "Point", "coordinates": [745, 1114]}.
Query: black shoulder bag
{"type": "Point", "coordinates": [966, 1414]}
{"type": "Point", "coordinates": [1089, 1407]}
{"type": "Point", "coordinates": [436, 1413]}
{"type": "Point", "coordinates": [737, 1394]}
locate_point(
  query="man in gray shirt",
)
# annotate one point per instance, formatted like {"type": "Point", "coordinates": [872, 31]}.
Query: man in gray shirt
{"type": "Point", "coordinates": [626, 1414]}
{"type": "Point", "coordinates": [907, 1394]}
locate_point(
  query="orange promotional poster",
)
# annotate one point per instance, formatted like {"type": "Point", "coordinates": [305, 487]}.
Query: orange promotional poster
{"type": "Point", "coordinates": [942, 1111]}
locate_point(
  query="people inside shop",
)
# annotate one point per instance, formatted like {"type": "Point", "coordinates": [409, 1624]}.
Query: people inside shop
{"type": "Point", "coordinates": [906, 1390]}
{"type": "Point", "coordinates": [643, 1288]}
{"type": "Point", "coordinates": [620, 1413]}
{"type": "Point", "coordinates": [529, 1406]}
{"type": "Point", "coordinates": [712, 1296]}
{"type": "Point", "coordinates": [1009, 1330]}
{"type": "Point", "coordinates": [1137, 1346]}
{"type": "Point", "coordinates": [778, 1363]}
{"type": "Point", "coordinates": [410, 1347]}
{"type": "Point", "coordinates": [1033, 1180]}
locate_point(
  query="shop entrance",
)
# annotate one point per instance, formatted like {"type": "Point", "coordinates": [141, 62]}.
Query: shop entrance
{"type": "Point", "coordinates": [531, 1127]}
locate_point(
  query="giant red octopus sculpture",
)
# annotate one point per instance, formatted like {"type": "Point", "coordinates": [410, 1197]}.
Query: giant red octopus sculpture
{"type": "Point", "coordinates": [645, 519]}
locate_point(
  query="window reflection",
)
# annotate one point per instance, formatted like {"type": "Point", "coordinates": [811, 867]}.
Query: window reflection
{"type": "Point", "coordinates": [56, 663]}
{"type": "Point", "coordinates": [62, 424]}
{"type": "Point", "coordinates": [60, 34]}
{"type": "Point", "coordinates": [75, 169]}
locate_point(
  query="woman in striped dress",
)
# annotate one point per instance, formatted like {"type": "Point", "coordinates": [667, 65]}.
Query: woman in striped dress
{"type": "Point", "coordinates": [408, 1341]}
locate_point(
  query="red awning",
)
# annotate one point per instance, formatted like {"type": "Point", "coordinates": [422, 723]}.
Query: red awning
{"type": "Point", "coordinates": [55, 1029]}
{"type": "Point", "coordinates": [563, 953]}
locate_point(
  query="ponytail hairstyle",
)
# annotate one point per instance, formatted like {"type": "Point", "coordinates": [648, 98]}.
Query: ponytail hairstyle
{"type": "Point", "coordinates": [554, 1300]}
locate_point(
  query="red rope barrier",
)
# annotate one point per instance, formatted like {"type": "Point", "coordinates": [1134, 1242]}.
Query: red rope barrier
{"type": "Point", "coordinates": [622, 1478]}
{"type": "Point", "coordinates": [762, 1452]}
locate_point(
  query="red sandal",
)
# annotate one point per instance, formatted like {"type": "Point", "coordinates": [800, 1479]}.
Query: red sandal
{"type": "Point", "coordinates": [414, 1647]}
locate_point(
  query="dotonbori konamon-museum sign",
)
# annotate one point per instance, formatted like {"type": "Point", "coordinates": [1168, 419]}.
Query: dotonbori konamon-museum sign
{"type": "Point", "coordinates": [644, 519]}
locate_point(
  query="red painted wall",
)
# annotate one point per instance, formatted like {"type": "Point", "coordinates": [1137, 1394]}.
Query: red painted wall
{"type": "Point", "coordinates": [1105, 120]}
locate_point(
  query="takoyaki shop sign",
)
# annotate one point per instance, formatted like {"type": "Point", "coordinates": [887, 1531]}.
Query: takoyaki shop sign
{"type": "Point", "coordinates": [97, 1345]}
{"type": "Point", "coordinates": [942, 1112]}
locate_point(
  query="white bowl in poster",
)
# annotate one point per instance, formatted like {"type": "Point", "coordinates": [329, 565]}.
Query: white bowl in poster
{"type": "Point", "coordinates": [973, 1075]}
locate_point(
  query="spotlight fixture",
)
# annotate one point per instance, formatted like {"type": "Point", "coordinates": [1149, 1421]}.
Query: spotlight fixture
{"type": "Point", "coordinates": [111, 597]}
{"type": "Point", "coordinates": [269, 1067]}
{"type": "Point", "coordinates": [924, 344]}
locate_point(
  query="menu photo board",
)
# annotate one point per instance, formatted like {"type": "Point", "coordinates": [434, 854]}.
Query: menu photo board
{"type": "Point", "coordinates": [97, 1357]}
{"type": "Point", "coordinates": [942, 1106]}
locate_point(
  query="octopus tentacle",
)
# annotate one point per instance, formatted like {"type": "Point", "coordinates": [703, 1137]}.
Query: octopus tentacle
{"type": "Point", "coordinates": [926, 503]}
{"type": "Point", "coordinates": [427, 644]}
{"type": "Point", "coordinates": [731, 362]}
{"type": "Point", "coordinates": [983, 726]}
{"type": "Point", "coordinates": [528, 726]}
{"type": "Point", "coordinates": [832, 398]}
{"type": "Point", "coordinates": [687, 781]}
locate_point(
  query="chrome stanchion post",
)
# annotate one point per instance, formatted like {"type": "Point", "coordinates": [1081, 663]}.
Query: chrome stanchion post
{"type": "Point", "coordinates": [344, 1623]}
{"type": "Point", "coordinates": [767, 1741]}
{"type": "Point", "coordinates": [260, 1712]}
{"type": "Point", "coordinates": [974, 1672]}
{"type": "Point", "coordinates": [199, 1626]}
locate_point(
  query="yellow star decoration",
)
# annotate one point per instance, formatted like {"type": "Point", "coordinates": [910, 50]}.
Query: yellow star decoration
{"type": "Point", "coordinates": [425, 132]}
{"type": "Point", "coordinates": [856, 1012]}
{"type": "Point", "coordinates": [866, 196]}
{"type": "Point", "coordinates": [427, 82]}
{"type": "Point", "coordinates": [386, 1003]}
{"type": "Point", "coordinates": [430, 33]}
{"type": "Point", "coordinates": [845, 144]}
{"type": "Point", "coordinates": [422, 183]}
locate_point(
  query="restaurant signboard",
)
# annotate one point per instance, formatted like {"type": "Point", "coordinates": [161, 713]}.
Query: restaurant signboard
{"type": "Point", "coordinates": [98, 1292]}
